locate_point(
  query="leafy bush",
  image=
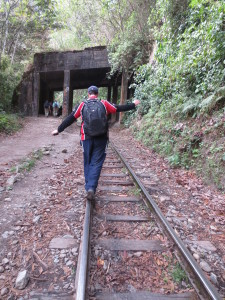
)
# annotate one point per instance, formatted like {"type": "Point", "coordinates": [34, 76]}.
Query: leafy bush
{"type": "Point", "coordinates": [185, 85]}
{"type": "Point", "coordinates": [188, 65]}
{"type": "Point", "coordinates": [9, 78]}
{"type": "Point", "coordinates": [9, 123]}
{"type": "Point", "coordinates": [191, 143]}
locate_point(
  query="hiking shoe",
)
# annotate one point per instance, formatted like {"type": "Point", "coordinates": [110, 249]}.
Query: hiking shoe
{"type": "Point", "coordinates": [90, 195]}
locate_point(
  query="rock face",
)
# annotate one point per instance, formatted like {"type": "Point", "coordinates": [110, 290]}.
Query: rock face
{"type": "Point", "coordinates": [22, 280]}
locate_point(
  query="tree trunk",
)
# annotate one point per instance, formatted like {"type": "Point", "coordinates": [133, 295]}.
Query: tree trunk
{"type": "Point", "coordinates": [6, 35]}
{"type": "Point", "coordinates": [124, 87]}
{"type": "Point", "coordinates": [14, 48]}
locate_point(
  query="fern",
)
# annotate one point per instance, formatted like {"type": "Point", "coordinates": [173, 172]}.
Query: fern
{"type": "Point", "coordinates": [209, 103]}
{"type": "Point", "coordinates": [190, 107]}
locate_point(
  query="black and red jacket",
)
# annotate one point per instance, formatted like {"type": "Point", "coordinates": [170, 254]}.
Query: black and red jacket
{"type": "Point", "coordinates": [77, 112]}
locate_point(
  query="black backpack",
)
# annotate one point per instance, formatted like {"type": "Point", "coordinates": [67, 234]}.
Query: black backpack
{"type": "Point", "coordinates": [94, 118]}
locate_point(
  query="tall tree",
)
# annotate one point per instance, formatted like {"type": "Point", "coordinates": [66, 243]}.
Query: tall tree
{"type": "Point", "coordinates": [131, 39]}
{"type": "Point", "coordinates": [121, 24]}
{"type": "Point", "coordinates": [23, 26]}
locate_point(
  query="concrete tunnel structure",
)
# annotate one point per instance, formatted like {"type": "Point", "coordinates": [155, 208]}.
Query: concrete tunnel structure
{"type": "Point", "coordinates": [66, 71]}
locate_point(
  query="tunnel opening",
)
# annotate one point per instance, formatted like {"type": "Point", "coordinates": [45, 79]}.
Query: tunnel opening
{"type": "Point", "coordinates": [50, 82]}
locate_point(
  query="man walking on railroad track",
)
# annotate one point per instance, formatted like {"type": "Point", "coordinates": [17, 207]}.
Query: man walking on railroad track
{"type": "Point", "coordinates": [94, 134]}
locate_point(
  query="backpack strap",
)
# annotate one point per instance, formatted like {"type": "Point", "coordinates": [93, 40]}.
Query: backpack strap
{"type": "Point", "coordinates": [95, 100]}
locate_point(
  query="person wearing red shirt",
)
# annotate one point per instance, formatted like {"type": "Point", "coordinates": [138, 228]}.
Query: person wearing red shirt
{"type": "Point", "coordinates": [94, 148]}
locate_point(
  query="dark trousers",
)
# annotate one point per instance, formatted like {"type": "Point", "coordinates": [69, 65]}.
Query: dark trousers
{"type": "Point", "coordinates": [94, 152]}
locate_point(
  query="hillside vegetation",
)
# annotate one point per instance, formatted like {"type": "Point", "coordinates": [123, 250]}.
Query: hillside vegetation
{"type": "Point", "coordinates": [173, 49]}
{"type": "Point", "coordinates": [183, 92]}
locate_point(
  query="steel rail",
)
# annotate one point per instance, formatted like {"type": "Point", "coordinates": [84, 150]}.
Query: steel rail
{"type": "Point", "coordinates": [207, 286]}
{"type": "Point", "coordinates": [83, 269]}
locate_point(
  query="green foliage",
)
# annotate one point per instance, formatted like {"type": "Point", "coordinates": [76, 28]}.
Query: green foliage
{"type": "Point", "coordinates": [191, 106]}
{"type": "Point", "coordinates": [58, 96]}
{"type": "Point", "coordinates": [196, 105]}
{"type": "Point", "coordinates": [172, 14]}
{"type": "Point", "coordinates": [189, 64]}
{"type": "Point", "coordinates": [80, 25]}
{"type": "Point", "coordinates": [178, 274]}
{"type": "Point", "coordinates": [9, 78]}
{"type": "Point", "coordinates": [9, 123]}
{"type": "Point", "coordinates": [120, 24]}
{"type": "Point", "coordinates": [129, 47]}
{"type": "Point", "coordinates": [189, 143]}
{"type": "Point", "coordinates": [135, 191]}
{"type": "Point", "coordinates": [223, 158]}
{"type": "Point", "coordinates": [27, 164]}
{"type": "Point", "coordinates": [210, 103]}
{"type": "Point", "coordinates": [24, 25]}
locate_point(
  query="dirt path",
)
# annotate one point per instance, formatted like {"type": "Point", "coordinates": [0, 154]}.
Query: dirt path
{"type": "Point", "coordinates": [35, 134]}
{"type": "Point", "coordinates": [33, 203]}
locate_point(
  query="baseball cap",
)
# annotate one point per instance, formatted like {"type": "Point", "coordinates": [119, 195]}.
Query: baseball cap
{"type": "Point", "coordinates": [93, 88]}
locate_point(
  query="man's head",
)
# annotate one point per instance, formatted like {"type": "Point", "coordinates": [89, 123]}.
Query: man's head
{"type": "Point", "coordinates": [93, 90]}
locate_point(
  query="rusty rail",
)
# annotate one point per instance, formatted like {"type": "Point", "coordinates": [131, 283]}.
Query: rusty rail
{"type": "Point", "coordinates": [204, 286]}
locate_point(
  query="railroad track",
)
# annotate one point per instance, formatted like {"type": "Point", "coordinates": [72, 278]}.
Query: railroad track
{"type": "Point", "coordinates": [129, 251]}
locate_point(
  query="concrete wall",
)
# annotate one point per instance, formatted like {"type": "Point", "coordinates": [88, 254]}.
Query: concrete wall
{"type": "Point", "coordinates": [23, 96]}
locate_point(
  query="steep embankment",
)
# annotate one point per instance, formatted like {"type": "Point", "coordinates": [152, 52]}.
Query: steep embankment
{"type": "Point", "coordinates": [182, 90]}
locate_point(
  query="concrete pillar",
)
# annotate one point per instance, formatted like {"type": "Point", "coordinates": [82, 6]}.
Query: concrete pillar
{"type": "Point", "coordinates": [66, 93]}
{"type": "Point", "coordinates": [114, 100]}
{"type": "Point", "coordinates": [115, 94]}
{"type": "Point", "coordinates": [36, 96]}
{"type": "Point", "coordinates": [109, 93]}
{"type": "Point", "coordinates": [51, 95]}
{"type": "Point", "coordinates": [70, 100]}
{"type": "Point", "coordinates": [123, 95]}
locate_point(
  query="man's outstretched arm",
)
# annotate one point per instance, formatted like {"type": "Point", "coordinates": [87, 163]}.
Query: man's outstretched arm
{"type": "Point", "coordinates": [70, 119]}
{"type": "Point", "coordinates": [126, 107]}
